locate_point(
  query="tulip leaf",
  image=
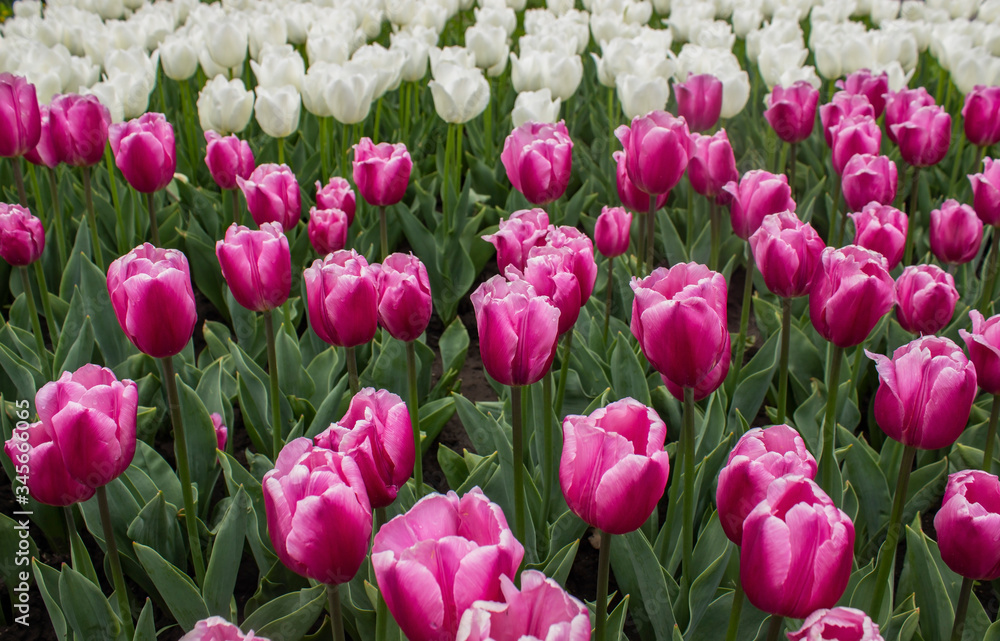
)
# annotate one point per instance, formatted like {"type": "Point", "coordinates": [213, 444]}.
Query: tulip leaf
{"type": "Point", "coordinates": [227, 552]}
{"type": "Point", "coordinates": [904, 623]}
{"type": "Point", "coordinates": [124, 510]}
{"type": "Point", "coordinates": [86, 608]}
{"type": "Point", "coordinates": [616, 619]}
{"type": "Point", "coordinates": [115, 347]}
{"type": "Point", "coordinates": [248, 328]}
{"type": "Point", "coordinates": [329, 410]}
{"type": "Point", "coordinates": [292, 377]}
{"type": "Point", "coordinates": [433, 417]}
{"type": "Point", "coordinates": [288, 617]}
{"type": "Point", "coordinates": [925, 489]}
{"type": "Point", "coordinates": [162, 476]}
{"type": "Point", "coordinates": [204, 266]}
{"type": "Point", "coordinates": [992, 633]}
{"type": "Point", "coordinates": [17, 557]}
{"type": "Point", "coordinates": [704, 587]}
{"type": "Point", "coordinates": [177, 589]}
{"type": "Point", "coordinates": [672, 245]}
{"type": "Point", "coordinates": [627, 376]}
{"type": "Point", "coordinates": [861, 469]}
{"type": "Point", "coordinates": [238, 477]}
{"type": "Point", "coordinates": [937, 613]}
{"type": "Point", "coordinates": [253, 399]}
{"type": "Point", "coordinates": [454, 345]}
{"type": "Point", "coordinates": [27, 379]}
{"type": "Point", "coordinates": [81, 558]}
{"type": "Point", "coordinates": [755, 379]}
{"type": "Point", "coordinates": [639, 576]}
{"type": "Point", "coordinates": [145, 628]}
{"type": "Point", "coordinates": [201, 440]}
{"type": "Point", "coordinates": [157, 527]}
{"type": "Point", "coordinates": [47, 581]}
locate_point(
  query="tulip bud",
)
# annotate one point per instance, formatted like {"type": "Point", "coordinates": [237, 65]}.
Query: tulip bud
{"type": "Point", "coordinates": [44, 153]}
{"type": "Point", "coordinates": [699, 101]}
{"type": "Point", "coordinates": [381, 171]}
{"type": "Point", "coordinates": [145, 151]}
{"type": "Point", "coordinates": [520, 232]}
{"type": "Point", "coordinates": [641, 95]}
{"type": "Point", "coordinates": [657, 149]}
{"type": "Point", "coordinates": [955, 233]}
{"type": "Point", "coordinates": [257, 265]}
{"type": "Point", "coordinates": [179, 57]}
{"type": "Point", "coordinates": [538, 158]}
{"type": "Point", "coordinates": [631, 196]}
{"type": "Point", "coordinates": [226, 41]}
{"type": "Point", "coordinates": [881, 228]}
{"type": "Point", "coordinates": [788, 253]}
{"type": "Point", "coordinates": [868, 178]}
{"type": "Point", "coordinates": [851, 292]}
{"type": "Point", "coordinates": [712, 381]}
{"type": "Point", "coordinates": [843, 106]}
{"type": "Point", "coordinates": [873, 87]}
{"type": "Point", "coordinates": [900, 105]}
{"type": "Point", "coordinates": [224, 105]}
{"type": "Point", "coordinates": [797, 550]}
{"type": "Point", "coordinates": [404, 296]}
{"type": "Point", "coordinates": [611, 233]}
{"type": "Point", "coordinates": [342, 298]}
{"type": "Point", "coordinates": [218, 629]}
{"type": "Point", "coordinates": [327, 230]}
{"type": "Point", "coordinates": [150, 290]}
{"type": "Point", "coordinates": [925, 392]}
{"type": "Point", "coordinates": [459, 94]}
{"type": "Point", "coordinates": [221, 433]}
{"type": "Point", "coordinates": [20, 120]}
{"type": "Point", "coordinates": [581, 250]}
{"type": "Point", "coordinates": [855, 135]}
{"type": "Point", "coordinates": [791, 111]}
{"type": "Point", "coordinates": [986, 192]}
{"type": "Point", "coordinates": [981, 116]}
{"type": "Point", "coordinates": [535, 106]}
{"type": "Point", "coordinates": [967, 523]}
{"type": "Point", "coordinates": [712, 165]}
{"type": "Point", "coordinates": [549, 272]}
{"type": "Point", "coordinates": [843, 624]}
{"type": "Point", "coordinates": [78, 127]}
{"type": "Point", "coordinates": [758, 194]}
{"type": "Point", "coordinates": [759, 457]}
{"type": "Point", "coordinates": [277, 110]}
{"type": "Point", "coordinates": [925, 299]}
{"type": "Point", "coordinates": [227, 158]}
{"type": "Point", "coordinates": [337, 194]}
{"type": "Point", "coordinates": [924, 137]}
{"type": "Point", "coordinates": [22, 237]}
{"type": "Point", "coordinates": [272, 194]}
{"type": "Point", "coordinates": [280, 65]}
{"type": "Point", "coordinates": [984, 350]}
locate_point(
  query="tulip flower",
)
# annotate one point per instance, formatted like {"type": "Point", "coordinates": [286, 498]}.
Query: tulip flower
{"type": "Point", "coordinates": [44, 153]}
{"type": "Point", "coordinates": [758, 194]}
{"type": "Point", "coordinates": [882, 229]}
{"type": "Point", "coordinates": [342, 297]}
{"type": "Point", "coordinates": [871, 86]}
{"type": "Point", "coordinates": [336, 194]}
{"type": "Point", "coordinates": [524, 229]}
{"type": "Point", "coordinates": [221, 432]}
{"type": "Point", "coordinates": [791, 111]}
{"type": "Point", "coordinates": [277, 111]}
{"type": "Point", "coordinates": [535, 106]}
{"type": "Point", "coordinates": [712, 166]}
{"type": "Point", "coordinates": [981, 116]}
{"type": "Point", "coordinates": [145, 152]}
{"type": "Point", "coordinates": [459, 93]}
{"type": "Point", "coordinates": [538, 158]}
{"type": "Point", "coordinates": [900, 105]}
{"type": "Point", "coordinates": [257, 266]}
{"type": "Point", "coordinates": [580, 248]}
{"type": "Point", "coordinates": [550, 272]}
{"type": "Point", "coordinates": [924, 137]}
{"type": "Point", "coordinates": [844, 106]}
{"type": "Point", "coordinates": [844, 624]}
{"type": "Point", "coordinates": [224, 105]}
{"type": "Point", "coordinates": [78, 127]}
{"type": "Point", "coordinates": [20, 122]}
{"type": "Point", "coordinates": [955, 233]}
{"type": "Point", "coordinates": [22, 237]}
{"type": "Point", "coordinates": [228, 158]}
{"type": "Point", "coordinates": [983, 344]}
{"type": "Point", "coordinates": [376, 433]}
{"type": "Point", "coordinates": [867, 178]}
{"type": "Point", "coordinates": [986, 192]}
{"type": "Point", "coordinates": [272, 195]}
{"type": "Point", "coordinates": [218, 629]}
{"type": "Point", "coordinates": [925, 299]}
{"type": "Point", "coordinates": [966, 525]}
{"type": "Point", "coordinates": [797, 550]}
{"type": "Point", "coordinates": [712, 381]}
{"type": "Point", "coordinates": [699, 101]}
{"type": "Point", "coordinates": [851, 293]}
{"type": "Point", "coordinates": [631, 196]}
{"type": "Point", "coordinates": [657, 150]}
{"type": "Point", "coordinates": [433, 562]}
{"type": "Point", "coordinates": [611, 232]}
{"type": "Point", "coordinates": [854, 135]}
{"type": "Point", "coordinates": [327, 230]}
{"type": "Point", "coordinates": [404, 296]}
{"type": "Point", "coordinates": [381, 171]}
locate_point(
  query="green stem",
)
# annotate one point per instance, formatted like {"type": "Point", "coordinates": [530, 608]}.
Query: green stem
{"type": "Point", "coordinates": [324, 135]}
{"type": "Point", "coordinates": [716, 219]}
{"type": "Point", "coordinates": [378, 119]}
{"type": "Point", "coordinates": [57, 219]}
{"type": "Point", "coordinates": [827, 461]}
{"type": "Point", "coordinates": [608, 298]}
{"type": "Point", "coordinates": [774, 629]}
{"type": "Point", "coordinates": [113, 188]}
{"type": "Point", "coordinates": [281, 151]}
{"type": "Point", "coordinates": [690, 216]}
{"type": "Point", "coordinates": [786, 331]}
{"type": "Point", "coordinates": [272, 368]}
{"type": "Point", "coordinates": [831, 233]}
{"type": "Point", "coordinates": [741, 339]}
{"type": "Point", "coordinates": [687, 438]}
{"type": "Point", "coordinates": [991, 274]}
{"type": "Point", "coordinates": [961, 609]}
{"type": "Point", "coordinates": [189, 127]}
{"type": "Point", "coordinates": [563, 373]}
{"type": "Point", "coordinates": [790, 168]}
{"type": "Point", "coordinates": [458, 161]}
{"type": "Point", "coordinates": [488, 124]}
{"type": "Point", "coordinates": [352, 370]}
{"type": "Point", "coordinates": [991, 434]}
{"type": "Point", "coordinates": [236, 206]}
{"type": "Point", "coordinates": [336, 618]}
{"type": "Point", "coordinates": [383, 232]}
{"type": "Point", "coordinates": [912, 223]}
{"type": "Point", "coordinates": [181, 456]}
{"type": "Point", "coordinates": [36, 326]}
{"type": "Point", "coordinates": [516, 402]}
{"type": "Point", "coordinates": [154, 227]}
{"type": "Point", "coordinates": [651, 233]}
{"type": "Point", "coordinates": [548, 447]}
{"type": "Point", "coordinates": [603, 572]}
{"type": "Point", "coordinates": [43, 292]}
{"type": "Point", "coordinates": [734, 613]}
{"type": "Point", "coordinates": [843, 228]}
{"type": "Point", "coordinates": [39, 208]}
{"type": "Point", "coordinates": [888, 552]}
{"type": "Point", "coordinates": [92, 220]}
{"type": "Point", "coordinates": [411, 379]}
{"type": "Point", "coordinates": [70, 528]}
{"type": "Point", "coordinates": [449, 145]}
{"type": "Point", "coordinates": [958, 163]}
{"type": "Point", "coordinates": [116, 564]}
{"type": "Point", "coordinates": [22, 195]}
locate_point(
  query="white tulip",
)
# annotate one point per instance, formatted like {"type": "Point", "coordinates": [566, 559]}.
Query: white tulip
{"type": "Point", "coordinates": [277, 110]}
{"type": "Point", "coordinates": [123, 35]}
{"type": "Point", "coordinates": [662, 7]}
{"type": "Point", "coordinates": [775, 33]}
{"type": "Point", "coordinates": [975, 67]}
{"type": "Point", "coordinates": [299, 18]}
{"type": "Point", "coordinates": [109, 9]}
{"type": "Point", "coordinates": [559, 43]}
{"type": "Point", "coordinates": [989, 11]}
{"type": "Point", "coordinates": [534, 71]}
{"type": "Point", "coordinates": [638, 12]}
{"type": "Point", "coordinates": [746, 19]}
{"type": "Point", "coordinates": [224, 105]}
{"type": "Point", "coordinates": [897, 77]}
{"type": "Point", "coordinates": [896, 44]}
{"type": "Point", "coordinates": [640, 95]}
{"type": "Point", "coordinates": [655, 40]}
{"type": "Point", "coordinates": [694, 60]}
{"type": "Point", "coordinates": [386, 64]}
{"type": "Point", "coordinates": [991, 39]}
{"type": "Point", "coordinates": [884, 10]}
{"type": "Point", "coordinates": [349, 94]}
{"type": "Point", "coordinates": [776, 60]}
{"type": "Point", "coordinates": [28, 9]}
{"type": "Point", "coordinates": [133, 92]}
{"type": "Point", "coordinates": [132, 61]}
{"type": "Point", "coordinates": [460, 94]}
{"type": "Point", "coordinates": [154, 22]}
{"type": "Point", "coordinates": [453, 55]}
{"type": "Point", "coordinates": [684, 19]}
{"type": "Point", "coordinates": [832, 12]}
{"type": "Point", "coordinates": [535, 106]}
{"type": "Point", "coordinates": [227, 42]}
{"type": "Point", "coordinates": [716, 35]}
{"type": "Point", "coordinates": [800, 74]}
{"type": "Point", "coordinates": [279, 65]}
{"type": "Point", "coordinates": [962, 9]}
{"type": "Point", "coordinates": [498, 16]}
{"type": "Point", "coordinates": [263, 30]}
{"type": "Point", "coordinates": [735, 91]}
{"type": "Point", "coordinates": [179, 57]}
{"type": "Point", "coordinates": [415, 52]}
{"type": "Point", "coordinates": [46, 32]}
{"type": "Point", "coordinates": [430, 16]}
{"type": "Point", "coordinates": [558, 7]}
{"type": "Point", "coordinates": [724, 9]}
{"type": "Point", "coordinates": [83, 73]}
{"type": "Point", "coordinates": [371, 23]}
{"type": "Point", "coordinates": [108, 96]}
{"type": "Point", "coordinates": [826, 53]}
{"type": "Point", "coordinates": [209, 66]}
{"type": "Point", "coordinates": [401, 12]}
{"type": "Point", "coordinates": [331, 45]}
{"type": "Point", "coordinates": [488, 44]}
{"type": "Point", "coordinates": [608, 25]}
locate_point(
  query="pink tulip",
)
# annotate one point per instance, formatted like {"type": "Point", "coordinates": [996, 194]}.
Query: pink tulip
{"type": "Point", "coordinates": [342, 298]}
{"type": "Point", "coordinates": [882, 229]}
{"type": "Point", "coordinates": [851, 293]}
{"type": "Point", "coordinates": [381, 171]}
{"type": "Point", "coordinates": [844, 106]}
{"type": "Point", "coordinates": [22, 238]}
{"type": "Point", "coordinates": [84, 439]}
{"type": "Point", "coordinates": [227, 158]}
{"type": "Point", "coordinates": [712, 381]}
{"type": "Point", "coordinates": [433, 562]}
{"type": "Point", "coordinates": [221, 433]}
{"type": "Point", "coordinates": [614, 468]}
{"type": "Point", "coordinates": [336, 194]}
{"type": "Point", "coordinates": [843, 624]}
{"type": "Point", "coordinates": [20, 121]}
{"type": "Point", "coordinates": [925, 299]}
{"type": "Point", "coordinates": [983, 344]}
{"type": "Point", "coordinates": [257, 265]}
{"type": "Point", "coordinates": [967, 525]}
{"type": "Point", "coordinates": [145, 151]}
{"type": "Point", "coordinates": [955, 233]}
{"type": "Point", "coordinates": [855, 135]}
{"type": "Point", "coordinates": [760, 457]}
{"type": "Point", "coordinates": [925, 392]}
{"type": "Point", "coordinates": [873, 87]}
{"type": "Point", "coordinates": [924, 137]}
{"type": "Point", "coordinates": [712, 166]}
{"type": "Point", "coordinates": [377, 434]}
{"type": "Point", "coordinates": [868, 178]}
{"type": "Point", "coordinates": [788, 253]}
{"type": "Point", "coordinates": [900, 105]}
{"type": "Point", "coordinates": [581, 248]}
{"type": "Point", "coordinates": [272, 194]}
{"type": "Point", "coordinates": [327, 230]}
{"type": "Point", "coordinates": [404, 296]}
{"type": "Point", "coordinates": [758, 194]}
{"type": "Point", "coordinates": [218, 629]}
{"type": "Point", "coordinates": [981, 116]}
{"type": "Point", "coordinates": [679, 319]}
{"type": "Point", "coordinates": [797, 550]}
{"type": "Point", "coordinates": [986, 192]}
{"type": "Point", "coordinates": [44, 153]}
{"type": "Point", "coordinates": [518, 330]}
{"type": "Point", "coordinates": [318, 515]}
{"type": "Point", "coordinates": [540, 610]}
{"type": "Point", "coordinates": [657, 149]}
{"type": "Point", "coordinates": [631, 196]}
{"type": "Point", "coordinates": [538, 158]}
{"type": "Point", "coordinates": [150, 290]}
{"type": "Point", "coordinates": [699, 101]}
{"type": "Point", "coordinates": [791, 111]}
{"type": "Point", "coordinates": [524, 229]}
{"type": "Point", "coordinates": [78, 126]}
{"type": "Point", "coordinates": [550, 272]}
{"type": "Point", "coordinates": [611, 233]}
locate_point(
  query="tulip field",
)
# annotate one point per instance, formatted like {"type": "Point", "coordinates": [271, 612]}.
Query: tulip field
{"type": "Point", "coordinates": [469, 320]}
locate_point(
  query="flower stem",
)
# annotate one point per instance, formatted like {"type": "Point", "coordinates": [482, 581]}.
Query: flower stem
{"type": "Point", "coordinates": [43, 292]}
{"type": "Point", "coordinates": [687, 438]}
{"type": "Point", "coordinates": [337, 619]}
{"type": "Point", "coordinates": [516, 401]}
{"type": "Point", "coordinates": [786, 331]}
{"type": "Point", "coordinates": [912, 215]}
{"type": "Point", "coordinates": [116, 564]}
{"type": "Point", "coordinates": [790, 169]}
{"type": "Point", "coordinates": [603, 572]}
{"type": "Point", "coordinates": [741, 340]}
{"type": "Point", "coordinates": [608, 298]}
{"type": "Point", "coordinates": [827, 461]}
{"type": "Point", "coordinates": [154, 227]}
{"type": "Point", "coordinates": [92, 219]}
{"type": "Point", "coordinates": [36, 326]}
{"type": "Point", "coordinates": [235, 205]}
{"type": "Point", "coordinates": [986, 300]}
{"type": "Point", "coordinates": [449, 146]}
{"type": "Point", "coordinates": [15, 164]}
{"type": "Point", "coordinates": [57, 219]}
{"type": "Point", "coordinates": [378, 120]}
{"type": "Point", "coordinates": [734, 613]}
{"type": "Point", "coordinates": [548, 447]}
{"type": "Point", "coordinates": [113, 188]}
{"type": "Point", "coordinates": [961, 609]}
{"type": "Point", "coordinates": [411, 378]}
{"type": "Point", "coordinates": [831, 233]}
{"type": "Point", "coordinates": [651, 233]}
{"type": "Point", "coordinates": [991, 434]}
{"type": "Point", "coordinates": [281, 151]}
{"type": "Point", "coordinates": [383, 232]}
{"type": "Point", "coordinates": [958, 163]}
{"type": "Point", "coordinates": [713, 256]}
{"type": "Point", "coordinates": [352, 370]}
{"type": "Point", "coordinates": [563, 373]}
{"type": "Point", "coordinates": [70, 527]}
{"type": "Point", "coordinates": [272, 368]}
{"type": "Point", "coordinates": [774, 629]}
{"type": "Point", "coordinates": [640, 247]}
{"type": "Point", "coordinates": [888, 553]}
{"type": "Point", "coordinates": [181, 456]}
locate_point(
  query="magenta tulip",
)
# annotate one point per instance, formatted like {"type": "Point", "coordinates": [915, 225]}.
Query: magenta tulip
{"type": "Point", "coordinates": [851, 293]}
{"type": "Point", "coordinates": [925, 392]}
{"type": "Point", "coordinates": [145, 151]}
{"type": "Point", "coordinates": [44, 153]}
{"type": "Point", "coordinates": [758, 194]}
{"type": "Point", "coordinates": [854, 135]}
{"type": "Point", "coordinates": [873, 87]}
{"type": "Point", "coordinates": [882, 229]}
{"type": "Point", "coordinates": [327, 230]}
{"type": "Point", "coordinates": [787, 253]}
{"type": "Point", "coordinates": [218, 629]}
{"type": "Point", "coordinates": [981, 115]}
{"type": "Point", "coordinates": [221, 432]}
{"type": "Point", "coordinates": [843, 106]}
{"type": "Point", "coordinates": [22, 238]}
{"type": "Point", "coordinates": [925, 299]}
{"type": "Point", "coordinates": [342, 298]}
{"type": "Point", "coordinates": [924, 137]}
{"type": "Point", "coordinates": [518, 330]}
{"type": "Point", "coordinates": [759, 457]}
{"type": "Point", "coordinates": [900, 105]}
{"type": "Point", "coordinates": [318, 515]}
{"type": "Point", "coordinates": [404, 296]}
{"type": "Point", "coordinates": [257, 265]}
{"type": "Point", "coordinates": [631, 196]}
{"type": "Point", "coordinates": [955, 233]}
{"type": "Point", "coordinates": [986, 192]}
{"type": "Point", "coordinates": [699, 101]}
{"type": "Point", "coordinates": [983, 344]}
{"type": "Point", "coordinates": [538, 158]}
{"type": "Point", "coordinates": [20, 120]}
{"type": "Point", "coordinates": [657, 149]}
{"type": "Point", "coordinates": [868, 178]}
{"type": "Point", "coordinates": [381, 171]}
{"type": "Point", "coordinates": [85, 437]}
{"type": "Point", "coordinates": [550, 272]}
{"type": "Point", "coordinates": [679, 319]}
{"type": "Point", "coordinates": [791, 111]}
{"type": "Point", "coordinates": [712, 381]}
{"type": "Point", "coordinates": [581, 248]}
{"type": "Point", "coordinates": [611, 232]}
{"type": "Point", "coordinates": [842, 624]}
{"type": "Point", "coordinates": [433, 562]}
{"type": "Point", "coordinates": [797, 550]}
{"type": "Point", "coordinates": [540, 610]}
{"type": "Point", "coordinates": [78, 126]}
{"type": "Point", "coordinates": [150, 290]}
{"type": "Point", "coordinates": [524, 229]}
{"type": "Point", "coordinates": [967, 525]}
{"type": "Point", "coordinates": [712, 166]}
{"type": "Point", "coordinates": [336, 194]}
{"type": "Point", "coordinates": [272, 194]}
{"type": "Point", "coordinates": [377, 434]}
{"type": "Point", "coordinates": [228, 158]}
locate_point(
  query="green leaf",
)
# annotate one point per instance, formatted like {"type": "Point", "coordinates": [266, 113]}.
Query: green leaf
{"type": "Point", "coordinates": [616, 619]}
{"type": "Point", "coordinates": [627, 375]}
{"type": "Point", "coordinates": [145, 629]}
{"type": "Point", "coordinates": [993, 633]}
{"type": "Point", "coordinates": [81, 558]}
{"type": "Point", "coordinates": [558, 567]}
{"type": "Point", "coordinates": [16, 561]}
{"type": "Point", "coordinates": [156, 526]}
{"type": "Point", "coordinates": [227, 552]}
{"type": "Point", "coordinates": [114, 345]}
{"type": "Point", "coordinates": [704, 587]}
{"type": "Point", "coordinates": [47, 580]}
{"type": "Point", "coordinates": [454, 345]}
{"type": "Point", "coordinates": [86, 608]}
{"type": "Point", "coordinates": [755, 378]}
{"type": "Point", "coordinates": [638, 573]}
{"type": "Point", "coordinates": [201, 440]}
{"type": "Point", "coordinates": [27, 379]}
{"type": "Point", "coordinates": [177, 589]}
{"type": "Point", "coordinates": [288, 617]}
